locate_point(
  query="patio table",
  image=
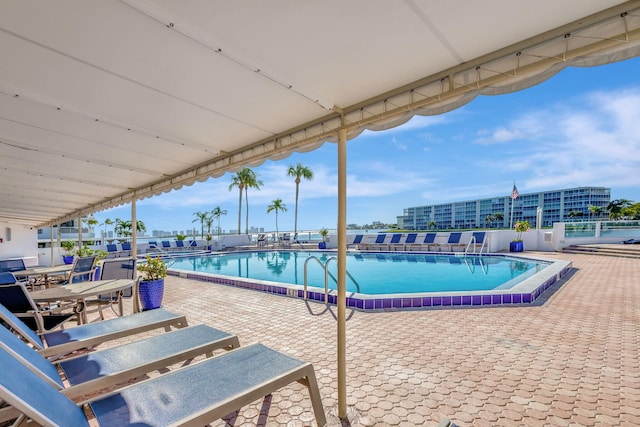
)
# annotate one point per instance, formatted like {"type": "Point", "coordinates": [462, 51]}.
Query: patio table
{"type": "Point", "coordinates": [81, 290]}
{"type": "Point", "coordinates": [45, 272]}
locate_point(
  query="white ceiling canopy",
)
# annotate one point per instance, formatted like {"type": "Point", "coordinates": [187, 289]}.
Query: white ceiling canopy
{"type": "Point", "coordinates": [107, 101]}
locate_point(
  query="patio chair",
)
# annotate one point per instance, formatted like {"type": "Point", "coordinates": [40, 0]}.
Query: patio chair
{"type": "Point", "coordinates": [13, 266]}
{"type": "Point", "coordinates": [59, 343]}
{"type": "Point", "coordinates": [82, 270]}
{"type": "Point", "coordinates": [121, 268]}
{"type": "Point", "coordinates": [90, 372]}
{"type": "Point", "coordinates": [195, 395]}
{"type": "Point", "coordinates": [262, 240]}
{"type": "Point", "coordinates": [16, 299]}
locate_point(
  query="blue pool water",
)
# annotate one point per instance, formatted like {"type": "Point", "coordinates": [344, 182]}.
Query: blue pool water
{"type": "Point", "coordinates": [370, 273]}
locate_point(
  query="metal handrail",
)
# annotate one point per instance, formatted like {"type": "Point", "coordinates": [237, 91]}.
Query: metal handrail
{"type": "Point", "coordinates": [473, 240]}
{"type": "Point", "coordinates": [326, 283]}
{"type": "Point", "coordinates": [327, 274]}
{"type": "Point", "coordinates": [326, 265]}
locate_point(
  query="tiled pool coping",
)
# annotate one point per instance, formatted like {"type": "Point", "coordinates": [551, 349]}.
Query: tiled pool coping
{"type": "Point", "coordinates": [525, 292]}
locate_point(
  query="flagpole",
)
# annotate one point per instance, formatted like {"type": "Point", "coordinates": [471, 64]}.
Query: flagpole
{"type": "Point", "coordinates": [513, 202]}
{"type": "Point", "coordinates": [514, 196]}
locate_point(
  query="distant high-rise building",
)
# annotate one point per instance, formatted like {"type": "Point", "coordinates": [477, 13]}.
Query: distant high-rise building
{"type": "Point", "coordinates": [556, 206]}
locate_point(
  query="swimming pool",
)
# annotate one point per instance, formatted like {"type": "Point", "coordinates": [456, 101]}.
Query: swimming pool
{"type": "Point", "coordinates": [382, 280]}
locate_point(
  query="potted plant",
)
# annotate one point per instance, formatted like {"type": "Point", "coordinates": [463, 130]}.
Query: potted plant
{"type": "Point", "coordinates": [517, 245]}
{"type": "Point", "coordinates": [68, 247]}
{"type": "Point", "coordinates": [151, 286]}
{"type": "Point", "coordinates": [323, 232]}
{"type": "Point", "coordinates": [208, 238]}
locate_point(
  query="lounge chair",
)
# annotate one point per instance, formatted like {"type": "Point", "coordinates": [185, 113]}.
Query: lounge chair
{"type": "Point", "coordinates": [262, 240]}
{"type": "Point", "coordinates": [410, 240]}
{"type": "Point", "coordinates": [195, 395]}
{"type": "Point", "coordinates": [285, 240]}
{"type": "Point", "coordinates": [112, 251]}
{"type": "Point", "coordinates": [60, 343]}
{"type": "Point", "coordinates": [356, 241]}
{"type": "Point", "coordinates": [91, 372]}
{"type": "Point", "coordinates": [15, 298]}
{"type": "Point", "coordinates": [377, 245]}
{"type": "Point", "coordinates": [166, 245]}
{"type": "Point", "coordinates": [126, 249]}
{"type": "Point", "coordinates": [425, 245]}
{"type": "Point", "coordinates": [452, 242]}
{"type": "Point", "coordinates": [394, 244]}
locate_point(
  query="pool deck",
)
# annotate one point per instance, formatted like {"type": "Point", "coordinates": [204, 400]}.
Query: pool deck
{"type": "Point", "coordinates": [570, 358]}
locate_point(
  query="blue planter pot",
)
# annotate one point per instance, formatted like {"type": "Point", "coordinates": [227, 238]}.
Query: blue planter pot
{"type": "Point", "coordinates": [67, 259]}
{"type": "Point", "coordinates": [322, 245]}
{"type": "Point", "coordinates": [151, 293]}
{"type": "Point", "coordinates": [516, 246]}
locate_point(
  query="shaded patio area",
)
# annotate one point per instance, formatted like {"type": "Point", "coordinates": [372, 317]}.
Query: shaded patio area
{"type": "Point", "coordinates": [570, 360]}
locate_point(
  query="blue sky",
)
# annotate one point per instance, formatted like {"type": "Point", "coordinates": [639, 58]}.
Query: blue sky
{"type": "Point", "coordinates": [579, 128]}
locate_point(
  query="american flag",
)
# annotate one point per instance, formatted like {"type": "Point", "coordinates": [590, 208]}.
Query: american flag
{"type": "Point", "coordinates": [514, 192]}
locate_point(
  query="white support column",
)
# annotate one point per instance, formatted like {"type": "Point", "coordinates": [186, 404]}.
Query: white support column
{"type": "Point", "coordinates": [51, 262]}
{"type": "Point", "coordinates": [79, 231]}
{"type": "Point", "coordinates": [342, 273]}
{"type": "Point", "coordinates": [134, 230]}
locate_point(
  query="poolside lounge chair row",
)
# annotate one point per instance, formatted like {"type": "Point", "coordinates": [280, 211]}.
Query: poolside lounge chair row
{"type": "Point", "coordinates": [436, 242]}
{"type": "Point", "coordinates": [195, 395]}
{"type": "Point", "coordinates": [115, 250]}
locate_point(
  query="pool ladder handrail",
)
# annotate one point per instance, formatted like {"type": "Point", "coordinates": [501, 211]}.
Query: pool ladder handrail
{"type": "Point", "coordinates": [327, 273]}
{"type": "Point", "coordinates": [473, 240]}
{"type": "Point", "coordinates": [472, 267]}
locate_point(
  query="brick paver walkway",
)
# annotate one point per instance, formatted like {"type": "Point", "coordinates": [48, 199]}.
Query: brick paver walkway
{"type": "Point", "coordinates": [572, 360]}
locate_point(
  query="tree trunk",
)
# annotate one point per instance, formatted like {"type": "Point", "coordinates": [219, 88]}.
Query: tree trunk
{"type": "Point", "coordinates": [295, 224]}
{"type": "Point", "coordinates": [239, 209]}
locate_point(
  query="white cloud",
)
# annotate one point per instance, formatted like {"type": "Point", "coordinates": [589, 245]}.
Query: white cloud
{"type": "Point", "coordinates": [597, 143]}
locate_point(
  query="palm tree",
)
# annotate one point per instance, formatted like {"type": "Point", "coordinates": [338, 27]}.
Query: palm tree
{"type": "Point", "coordinates": [489, 219]}
{"type": "Point", "coordinates": [498, 217]}
{"type": "Point", "coordinates": [124, 228]}
{"type": "Point", "coordinates": [202, 217]}
{"type": "Point", "coordinates": [277, 205]}
{"type": "Point", "coordinates": [299, 171]}
{"type": "Point", "coordinates": [243, 180]}
{"type": "Point", "coordinates": [251, 181]}
{"type": "Point", "coordinates": [574, 214]}
{"type": "Point", "coordinates": [236, 181]}
{"type": "Point", "coordinates": [615, 207]}
{"type": "Point", "coordinates": [594, 210]}
{"type": "Point", "coordinates": [216, 213]}
{"type": "Point", "coordinates": [106, 222]}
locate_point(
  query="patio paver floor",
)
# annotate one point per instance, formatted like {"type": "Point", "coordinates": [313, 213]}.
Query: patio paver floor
{"type": "Point", "coordinates": [572, 360]}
